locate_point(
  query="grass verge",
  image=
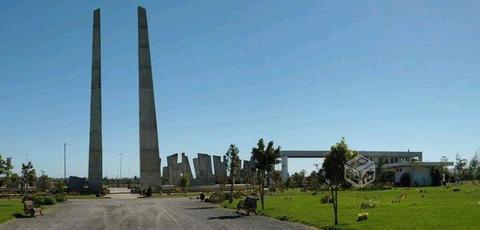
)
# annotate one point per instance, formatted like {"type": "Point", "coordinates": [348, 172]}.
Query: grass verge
{"type": "Point", "coordinates": [9, 208]}
{"type": "Point", "coordinates": [399, 208]}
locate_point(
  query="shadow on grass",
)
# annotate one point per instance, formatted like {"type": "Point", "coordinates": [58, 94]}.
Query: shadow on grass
{"type": "Point", "coordinates": [200, 208]}
{"type": "Point", "coordinates": [226, 217]}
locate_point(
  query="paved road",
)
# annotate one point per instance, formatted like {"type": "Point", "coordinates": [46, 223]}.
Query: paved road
{"type": "Point", "coordinates": [144, 213]}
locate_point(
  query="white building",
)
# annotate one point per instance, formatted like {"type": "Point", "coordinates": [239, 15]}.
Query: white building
{"type": "Point", "coordinates": [419, 171]}
{"type": "Point", "coordinates": [395, 162]}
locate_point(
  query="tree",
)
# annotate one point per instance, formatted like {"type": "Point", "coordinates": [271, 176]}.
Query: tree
{"type": "Point", "coordinates": [298, 178]}
{"type": "Point", "coordinates": [265, 160]}
{"type": "Point", "coordinates": [184, 182]}
{"type": "Point", "coordinates": [288, 183]}
{"type": "Point", "coordinates": [277, 181]}
{"type": "Point", "coordinates": [44, 183]}
{"type": "Point", "coordinates": [14, 182]}
{"type": "Point", "coordinates": [6, 168]}
{"type": "Point", "coordinates": [460, 164]}
{"type": "Point", "coordinates": [233, 165]}
{"type": "Point", "coordinates": [474, 166]}
{"type": "Point", "coordinates": [315, 180]}
{"type": "Point", "coordinates": [334, 173]}
{"type": "Point", "coordinates": [29, 176]}
{"type": "Point", "coordinates": [59, 185]}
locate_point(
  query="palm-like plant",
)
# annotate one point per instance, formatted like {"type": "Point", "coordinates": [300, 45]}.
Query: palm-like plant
{"type": "Point", "coordinates": [265, 160]}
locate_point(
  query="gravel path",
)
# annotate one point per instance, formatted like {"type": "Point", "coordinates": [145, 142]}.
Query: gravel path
{"type": "Point", "coordinates": [150, 213]}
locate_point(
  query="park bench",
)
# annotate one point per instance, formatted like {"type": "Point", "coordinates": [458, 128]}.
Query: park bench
{"type": "Point", "coordinates": [29, 209]}
{"type": "Point", "coordinates": [249, 205]}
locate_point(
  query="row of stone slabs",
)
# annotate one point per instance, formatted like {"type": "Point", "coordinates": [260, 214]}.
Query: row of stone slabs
{"type": "Point", "coordinates": [173, 172]}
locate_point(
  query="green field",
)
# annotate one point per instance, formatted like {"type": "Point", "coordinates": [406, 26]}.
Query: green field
{"type": "Point", "coordinates": [8, 208]}
{"type": "Point", "coordinates": [439, 208]}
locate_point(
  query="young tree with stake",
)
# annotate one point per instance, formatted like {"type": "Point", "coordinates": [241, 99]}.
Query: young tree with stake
{"type": "Point", "coordinates": [233, 166]}
{"type": "Point", "coordinates": [334, 172]}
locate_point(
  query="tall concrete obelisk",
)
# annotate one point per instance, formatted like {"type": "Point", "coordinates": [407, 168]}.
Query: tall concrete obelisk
{"type": "Point", "coordinates": [149, 154]}
{"type": "Point", "coordinates": [95, 148]}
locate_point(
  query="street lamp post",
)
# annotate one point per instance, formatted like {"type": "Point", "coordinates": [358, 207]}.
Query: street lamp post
{"type": "Point", "coordinates": [120, 155]}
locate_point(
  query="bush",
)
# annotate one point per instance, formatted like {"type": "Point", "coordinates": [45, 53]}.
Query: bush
{"type": "Point", "coordinates": [238, 194]}
{"type": "Point", "coordinates": [43, 199]}
{"type": "Point", "coordinates": [405, 180]}
{"type": "Point", "coordinates": [272, 189]}
{"type": "Point", "coordinates": [49, 200]}
{"type": "Point", "coordinates": [60, 197]}
{"type": "Point", "coordinates": [368, 204]}
{"type": "Point", "coordinates": [326, 199]}
{"type": "Point", "coordinates": [39, 199]}
{"type": "Point", "coordinates": [217, 197]}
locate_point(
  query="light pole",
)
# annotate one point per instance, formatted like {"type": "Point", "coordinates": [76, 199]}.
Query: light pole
{"type": "Point", "coordinates": [120, 155]}
{"type": "Point", "coordinates": [65, 161]}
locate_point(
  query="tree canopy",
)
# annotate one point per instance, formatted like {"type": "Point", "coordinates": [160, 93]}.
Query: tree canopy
{"type": "Point", "coordinates": [265, 160]}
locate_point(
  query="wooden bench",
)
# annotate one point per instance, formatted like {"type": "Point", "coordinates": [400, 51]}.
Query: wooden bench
{"type": "Point", "coordinates": [249, 205]}
{"type": "Point", "coordinates": [29, 209]}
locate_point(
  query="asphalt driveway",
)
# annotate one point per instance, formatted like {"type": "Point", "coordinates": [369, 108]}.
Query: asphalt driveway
{"type": "Point", "coordinates": [146, 213]}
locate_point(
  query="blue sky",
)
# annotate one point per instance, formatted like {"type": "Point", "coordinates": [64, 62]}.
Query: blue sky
{"type": "Point", "coordinates": [387, 75]}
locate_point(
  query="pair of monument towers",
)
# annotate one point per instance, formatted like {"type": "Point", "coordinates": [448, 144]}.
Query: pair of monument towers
{"type": "Point", "coordinates": [149, 153]}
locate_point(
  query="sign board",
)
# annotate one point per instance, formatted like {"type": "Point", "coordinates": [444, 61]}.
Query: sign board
{"type": "Point", "coordinates": [359, 171]}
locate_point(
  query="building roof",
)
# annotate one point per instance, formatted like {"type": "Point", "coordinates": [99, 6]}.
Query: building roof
{"type": "Point", "coordinates": [417, 163]}
{"type": "Point", "coordinates": [323, 153]}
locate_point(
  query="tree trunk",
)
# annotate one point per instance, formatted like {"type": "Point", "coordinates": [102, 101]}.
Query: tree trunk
{"type": "Point", "coordinates": [336, 206]}
{"type": "Point", "coordinates": [333, 204]}
{"type": "Point", "coordinates": [231, 190]}
{"type": "Point", "coordinates": [262, 193]}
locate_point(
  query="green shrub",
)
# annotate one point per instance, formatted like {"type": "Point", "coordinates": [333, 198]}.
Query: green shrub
{"type": "Point", "coordinates": [49, 200]}
{"type": "Point", "coordinates": [39, 199]}
{"type": "Point", "coordinates": [238, 194]}
{"type": "Point", "coordinates": [272, 189]}
{"type": "Point", "coordinates": [326, 199]}
{"type": "Point", "coordinates": [387, 187]}
{"type": "Point", "coordinates": [217, 197]}
{"type": "Point", "coordinates": [60, 197]}
{"type": "Point", "coordinates": [43, 199]}
{"type": "Point", "coordinates": [368, 204]}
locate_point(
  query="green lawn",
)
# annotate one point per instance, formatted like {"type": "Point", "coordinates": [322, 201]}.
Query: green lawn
{"type": "Point", "coordinates": [10, 207]}
{"type": "Point", "coordinates": [440, 208]}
